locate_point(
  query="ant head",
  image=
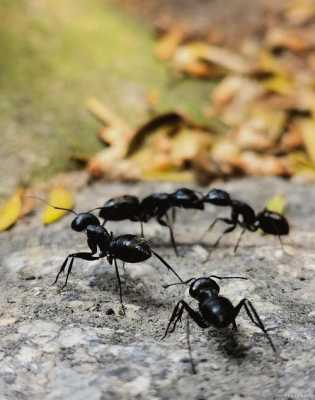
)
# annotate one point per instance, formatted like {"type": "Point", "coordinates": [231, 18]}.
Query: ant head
{"type": "Point", "coordinates": [83, 220]}
{"type": "Point", "coordinates": [217, 197]}
{"type": "Point", "coordinates": [187, 198]}
{"type": "Point", "coordinates": [202, 287]}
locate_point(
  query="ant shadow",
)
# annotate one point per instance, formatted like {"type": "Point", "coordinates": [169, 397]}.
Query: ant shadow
{"type": "Point", "coordinates": [229, 343]}
{"type": "Point", "coordinates": [132, 292]}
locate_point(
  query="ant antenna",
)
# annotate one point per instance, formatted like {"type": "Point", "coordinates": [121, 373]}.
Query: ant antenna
{"type": "Point", "coordinates": [211, 276]}
{"type": "Point", "coordinates": [227, 277]}
{"type": "Point", "coordinates": [178, 283]}
{"type": "Point", "coordinates": [50, 205]}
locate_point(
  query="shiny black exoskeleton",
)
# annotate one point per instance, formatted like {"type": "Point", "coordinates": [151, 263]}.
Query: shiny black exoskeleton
{"type": "Point", "coordinates": [155, 206]}
{"type": "Point", "coordinates": [217, 197]}
{"type": "Point", "coordinates": [187, 198]}
{"type": "Point", "coordinates": [272, 223]}
{"type": "Point", "coordinates": [121, 208]}
{"type": "Point", "coordinates": [83, 220]}
{"type": "Point", "coordinates": [131, 208]}
{"type": "Point", "coordinates": [127, 248]}
{"type": "Point", "coordinates": [214, 310]}
{"type": "Point", "coordinates": [243, 215]}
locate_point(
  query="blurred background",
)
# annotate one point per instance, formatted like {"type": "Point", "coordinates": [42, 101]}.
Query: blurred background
{"type": "Point", "coordinates": [177, 90]}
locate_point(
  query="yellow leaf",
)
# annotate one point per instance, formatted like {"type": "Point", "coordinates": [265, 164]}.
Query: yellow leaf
{"type": "Point", "coordinates": [58, 197]}
{"type": "Point", "coordinates": [279, 84]}
{"type": "Point", "coordinates": [10, 211]}
{"type": "Point", "coordinates": [277, 204]}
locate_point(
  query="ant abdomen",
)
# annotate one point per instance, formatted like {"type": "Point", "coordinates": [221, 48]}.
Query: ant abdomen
{"type": "Point", "coordinates": [130, 248]}
{"type": "Point", "coordinates": [273, 223]}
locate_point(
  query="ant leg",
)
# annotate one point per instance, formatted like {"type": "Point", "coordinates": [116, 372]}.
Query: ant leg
{"type": "Point", "coordinates": [166, 265]}
{"type": "Point", "coordinates": [173, 215]}
{"type": "Point", "coordinates": [216, 244]}
{"type": "Point", "coordinates": [92, 245]}
{"type": "Point", "coordinates": [228, 230]}
{"type": "Point", "coordinates": [141, 227]}
{"type": "Point", "coordinates": [63, 267]}
{"type": "Point", "coordinates": [82, 255]}
{"type": "Point", "coordinates": [68, 272]}
{"type": "Point", "coordinates": [177, 313]}
{"type": "Point", "coordinates": [119, 286]}
{"type": "Point", "coordinates": [225, 220]}
{"type": "Point", "coordinates": [193, 367]}
{"type": "Point", "coordinates": [254, 317]}
{"type": "Point", "coordinates": [172, 237]}
{"type": "Point", "coordinates": [239, 240]}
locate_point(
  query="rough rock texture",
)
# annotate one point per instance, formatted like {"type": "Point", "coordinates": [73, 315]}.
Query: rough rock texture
{"type": "Point", "coordinates": [74, 344]}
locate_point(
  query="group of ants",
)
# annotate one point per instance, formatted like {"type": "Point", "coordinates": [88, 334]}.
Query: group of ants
{"type": "Point", "coordinates": [214, 309]}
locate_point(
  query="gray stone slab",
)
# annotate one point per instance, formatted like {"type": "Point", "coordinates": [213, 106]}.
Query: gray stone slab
{"type": "Point", "coordinates": [68, 345]}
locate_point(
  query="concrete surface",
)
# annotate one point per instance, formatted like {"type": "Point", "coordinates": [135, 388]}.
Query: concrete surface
{"type": "Point", "coordinates": [70, 345]}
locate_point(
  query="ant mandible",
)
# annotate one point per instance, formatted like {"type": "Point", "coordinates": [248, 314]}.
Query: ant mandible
{"type": "Point", "coordinates": [214, 310]}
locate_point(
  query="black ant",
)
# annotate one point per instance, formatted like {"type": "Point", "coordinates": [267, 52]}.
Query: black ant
{"type": "Point", "coordinates": [127, 248]}
{"type": "Point", "coordinates": [214, 310]}
{"type": "Point", "coordinates": [243, 215]}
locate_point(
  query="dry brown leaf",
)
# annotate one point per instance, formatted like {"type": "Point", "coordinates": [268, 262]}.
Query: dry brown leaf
{"type": "Point", "coordinates": [28, 203]}
{"type": "Point", "coordinates": [192, 60]}
{"type": "Point", "coordinates": [225, 152]}
{"type": "Point", "coordinates": [187, 144]}
{"type": "Point", "coordinates": [299, 12]}
{"type": "Point", "coordinates": [166, 46]}
{"type": "Point", "coordinates": [105, 115]}
{"type": "Point", "coordinates": [307, 129]}
{"type": "Point", "coordinates": [296, 40]}
{"type": "Point", "coordinates": [233, 97]}
{"type": "Point", "coordinates": [10, 210]}
{"type": "Point", "coordinates": [262, 165]}
{"type": "Point", "coordinates": [170, 176]}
